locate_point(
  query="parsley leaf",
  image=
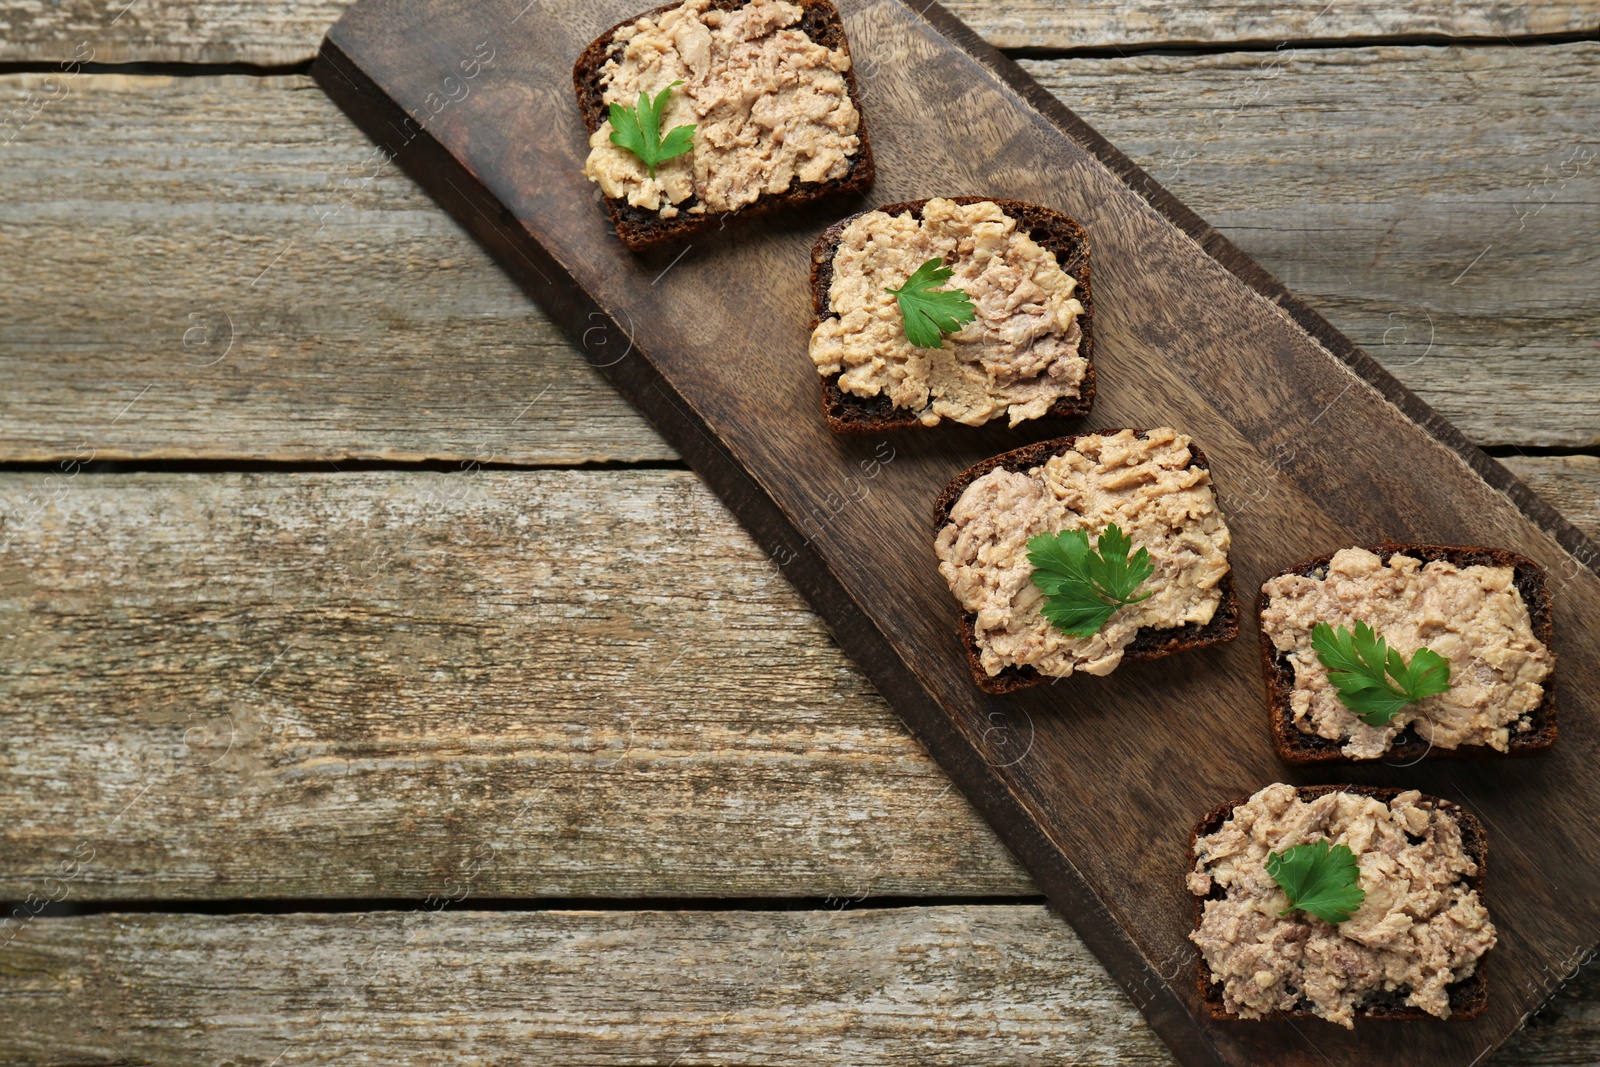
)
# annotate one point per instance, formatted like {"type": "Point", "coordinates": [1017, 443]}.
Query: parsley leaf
{"type": "Point", "coordinates": [1357, 664]}
{"type": "Point", "coordinates": [929, 315]}
{"type": "Point", "coordinates": [638, 129]}
{"type": "Point", "coordinates": [1084, 587]}
{"type": "Point", "coordinates": [1322, 880]}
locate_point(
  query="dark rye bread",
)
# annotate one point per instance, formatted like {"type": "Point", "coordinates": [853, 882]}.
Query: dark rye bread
{"type": "Point", "coordinates": [640, 228]}
{"type": "Point", "coordinates": [1148, 643]}
{"type": "Point", "coordinates": [1303, 749]}
{"type": "Point", "coordinates": [1051, 229]}
{"type": "Point", "coordinates": [1468, 997]}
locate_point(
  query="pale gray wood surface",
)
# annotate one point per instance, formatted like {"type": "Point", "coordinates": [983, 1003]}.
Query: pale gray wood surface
{"type": "Point", "coordinates": [1571, 483]}
{"type": "Point", "coordinates": [213, 253]}
{"type": "Point", "coordinates": [288, 31]}
{"type": "Point", "coordinates": [287, 685]}
{"type": "Point", "coordinates": [947, 985]}
{"type": "Point", "coordinates": [365, 324]}
{"type": "Point", "coordinates": [297, 685]}
{"type": "Point", "coordinates": [992, 985]}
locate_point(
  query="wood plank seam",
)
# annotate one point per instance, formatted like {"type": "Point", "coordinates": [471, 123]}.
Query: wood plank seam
{"type": "Point", "coordinates": [229, 31]}
{"type": "Point", "coordinates": [1280, 45]}
{"type": "Point", "coordinates": [204, 69]}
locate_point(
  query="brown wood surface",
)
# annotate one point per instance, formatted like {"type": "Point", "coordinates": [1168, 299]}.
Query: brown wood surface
{"type": "Point", "coordinates": [366, 325]}
{"type": "Point", "coordinates": [288, 31]}
{"type": "Point", "coordinates": [539, 783]}
{"type": "Point", "coordinates": [1193, 347]}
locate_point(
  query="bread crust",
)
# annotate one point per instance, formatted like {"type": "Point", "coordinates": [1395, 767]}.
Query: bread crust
{"type": "Point", "coordinates": [1302, 749]}
{"type": "Point", "coordinates": [1148, 643]}
{"type": "Point", "coordinates": [1468, 998]}
{"type": "Point", "coordinates": [639, 228]}
{"type": "Point", "coordinates": [1054, 231]}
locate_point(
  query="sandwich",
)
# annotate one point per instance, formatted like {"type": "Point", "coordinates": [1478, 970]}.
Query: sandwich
{"type": "Point", "coordinates": [965, 309]}
{"type": "Point", "coordinates": [1342, 903]}
{"type": "Point", "coordinates": [1408, 651]}
{"type": "Point", "coordinates": [708, 109]}
{"type": "Point", "coordinates": [1073, 555]}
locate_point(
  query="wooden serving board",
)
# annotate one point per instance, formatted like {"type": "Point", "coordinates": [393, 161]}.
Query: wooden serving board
{"type": "Point", "coordinates": [1093, 782]}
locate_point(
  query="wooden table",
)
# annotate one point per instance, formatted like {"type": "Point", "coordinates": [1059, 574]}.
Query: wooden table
{"type": "Point", "coordinates": [380, 688]}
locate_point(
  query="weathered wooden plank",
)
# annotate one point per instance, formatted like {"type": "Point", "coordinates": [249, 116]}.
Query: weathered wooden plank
{"type": "Point", "coordinates": [913, 986]}
{"type": "Point", "coordinates": [1570, 483]}
{"type": "Point", "coordinates": [1142, 23]}
{"type": "Point", "coordinates": [534, 683]}
{"type": "Point", "coordinates": [222, 268]}
{"type": "Point", "coordinates": [947, 985]}
{"type": "Point", "coordinates": [519, 683]}
{"type": "Point", "coordinates": [232, 31]}
{"type": "Point", "coordinates": [1443, 226]}
{"type": "Point", "coordinates": [365, 324]}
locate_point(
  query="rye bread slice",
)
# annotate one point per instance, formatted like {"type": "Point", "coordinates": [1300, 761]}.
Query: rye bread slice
{"type": "Point", "coordinates": [1054, 231]}
{"type": "Point", "coordinates": [1148, 643]}
{"type": "Point", "coordinates": [1468, 997]}
{"type": "Point", "coordinates": [1303, 749]}
{"type": "Point", "coordinates": [639, 227]}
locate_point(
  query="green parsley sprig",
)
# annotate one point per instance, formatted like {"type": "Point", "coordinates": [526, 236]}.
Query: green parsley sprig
{"type": "Point", "coordinates": [1358, 662]}
{"type": "Point", "coordinates": [930, 314]}
{"type": "Point", "coordinates": [1322, 880]}
{"type": "Point", "coordinates": [1084, 587]}
{"type": "Point", "coordinates": [638, 129]}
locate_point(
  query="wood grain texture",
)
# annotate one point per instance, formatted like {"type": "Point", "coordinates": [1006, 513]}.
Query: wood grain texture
{"type": "Point", "coordinates": [384, 332]}
{"type": "Point", "coordinates": [730, 749]}
{"type": "Point", "coordinates": [1570, 483]}
{"type": "Point", "coordinates": [567, 684]}
{"type": "Point", "coordinates": [237, 31]}
{"type": "Point", "coordinates": [949, 985]}
{"type": "Point", "coordinates": [1216, 347]}
{"type": "Point", "coordinates": [1143, 23]}
{"type": "Point", "coordinates": [254, 281]}
{"type": "Point", "coordinates": [1544, 1043]}
{"type": "Point", "coordinates": [997, 985]}
{"type": "Point", "coordinates": [1444, 228]}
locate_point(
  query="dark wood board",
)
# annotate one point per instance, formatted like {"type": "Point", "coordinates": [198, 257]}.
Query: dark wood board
{"type": "Point", "coordinates": [1094, 783]}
